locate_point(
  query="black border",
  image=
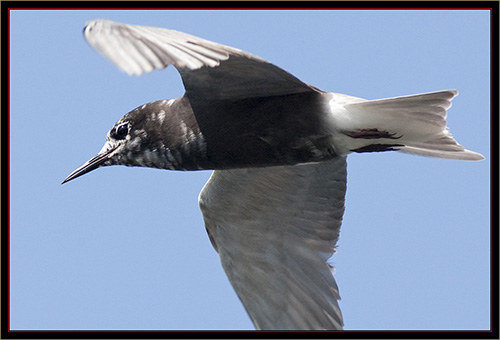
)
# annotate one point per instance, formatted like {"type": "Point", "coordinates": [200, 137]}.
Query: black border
{"type": "Point", "coordinates": [493, 333]}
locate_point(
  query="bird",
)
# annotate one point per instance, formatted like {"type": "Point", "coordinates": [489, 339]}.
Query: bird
{"type": "Point", "coordinates": [277, 146]}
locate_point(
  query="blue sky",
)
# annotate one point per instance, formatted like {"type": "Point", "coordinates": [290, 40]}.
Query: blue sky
{"type": "Point", "coordinates": [126, 248]}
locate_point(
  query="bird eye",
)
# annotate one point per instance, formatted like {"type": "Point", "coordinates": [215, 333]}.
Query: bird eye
{"type": "Point", "coordinates": [121, 131]}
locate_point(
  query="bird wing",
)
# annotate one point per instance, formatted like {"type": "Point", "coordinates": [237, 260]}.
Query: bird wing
{"type": "Point", "coordinates": [274, 229]}
{"type": "Point", "coordinates": [209, 70]}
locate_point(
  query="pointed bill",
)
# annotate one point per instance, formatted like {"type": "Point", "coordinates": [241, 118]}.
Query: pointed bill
{"type": "Point", "coordinates": [91, 164]}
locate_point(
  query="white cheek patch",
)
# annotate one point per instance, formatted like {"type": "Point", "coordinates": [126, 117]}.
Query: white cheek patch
{"type": "Point", "coordinates": [135, 144]}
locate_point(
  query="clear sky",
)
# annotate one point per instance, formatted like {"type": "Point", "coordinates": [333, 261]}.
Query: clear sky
{"type": "Point", "coordinates": [126, 248]}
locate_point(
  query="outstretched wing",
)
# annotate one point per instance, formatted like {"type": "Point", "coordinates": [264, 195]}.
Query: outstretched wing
{"type": "Point", "coordinates": [209, 70]}
{"type": "Point", "coordinates": [274, 229]}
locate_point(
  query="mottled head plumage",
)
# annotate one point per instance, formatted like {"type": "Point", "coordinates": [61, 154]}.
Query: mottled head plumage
{"type": "Point", "coordinates": [144, 137]}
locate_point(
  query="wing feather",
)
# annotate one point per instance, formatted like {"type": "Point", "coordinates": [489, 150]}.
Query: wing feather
{"type": "Point", "coordinates": [274, 229]}
{"type": "Point", "coordinates": [209, 70]}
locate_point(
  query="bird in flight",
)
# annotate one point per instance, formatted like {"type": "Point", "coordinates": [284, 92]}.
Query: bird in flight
{"type": "Point", "coordinates": [273, 206]}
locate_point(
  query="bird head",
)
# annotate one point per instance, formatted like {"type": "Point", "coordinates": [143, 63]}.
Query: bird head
{"type": "Point", "coordinates": [140, 138]}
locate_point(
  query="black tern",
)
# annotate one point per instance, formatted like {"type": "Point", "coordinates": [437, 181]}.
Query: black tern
{"type": "Point", "coordinates": [273, 206]}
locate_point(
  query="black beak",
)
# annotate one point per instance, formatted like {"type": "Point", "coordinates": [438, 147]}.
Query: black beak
{"type": "Point", "coordinates": [90, 165]}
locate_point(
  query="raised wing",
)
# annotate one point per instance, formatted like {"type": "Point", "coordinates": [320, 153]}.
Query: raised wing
{"type": "Point", "coordinates": [274, 229]}
{"type": "Point", "coordinates": [209, 70]}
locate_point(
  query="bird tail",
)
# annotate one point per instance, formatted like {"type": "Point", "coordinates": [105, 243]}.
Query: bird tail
{"type": "Point", "coordinates": [411, 124]}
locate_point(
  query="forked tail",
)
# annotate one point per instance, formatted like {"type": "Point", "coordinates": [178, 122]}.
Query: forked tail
{"type": "Point", "coordinates": [412, 124]}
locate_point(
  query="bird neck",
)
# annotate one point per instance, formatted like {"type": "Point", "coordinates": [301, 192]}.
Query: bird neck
{"type": "Point", "coordinates": [185, 145]}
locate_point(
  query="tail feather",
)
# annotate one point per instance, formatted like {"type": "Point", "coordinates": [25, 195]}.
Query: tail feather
{"type": "Point", "coordinates": [445, 147]}
{"type": "Point", "coordinates": [416, 124]}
